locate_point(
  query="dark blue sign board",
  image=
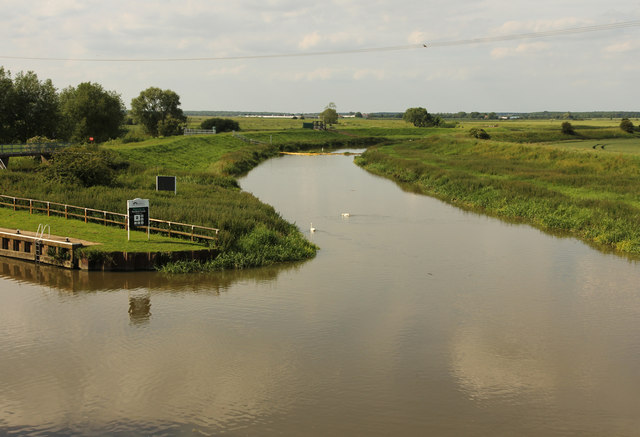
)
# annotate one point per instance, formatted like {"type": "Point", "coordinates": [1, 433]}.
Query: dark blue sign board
{"type": "Point", "coordinates": [166, 183]}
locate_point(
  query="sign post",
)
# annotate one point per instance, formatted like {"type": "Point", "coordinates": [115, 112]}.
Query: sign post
{"type": "Point", "coordinates": [137, 215]}
{"type": "Point", "coordinates": [166, 183]}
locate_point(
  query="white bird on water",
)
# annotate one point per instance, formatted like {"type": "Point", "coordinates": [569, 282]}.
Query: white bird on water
{"type": "Point", "coordinates": [346, 214]}
{"type": "Point", "coordinates": [312, 229]}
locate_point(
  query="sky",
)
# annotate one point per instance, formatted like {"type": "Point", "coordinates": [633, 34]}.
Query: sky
{"type": "Point", "coordinates": [584, 71]}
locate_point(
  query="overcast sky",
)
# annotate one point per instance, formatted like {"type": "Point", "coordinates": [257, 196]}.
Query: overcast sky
{"type": "Point", "coordinates": [578, 72]}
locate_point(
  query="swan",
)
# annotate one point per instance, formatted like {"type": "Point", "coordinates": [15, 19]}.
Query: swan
{"type": "Point", "coordinates": [312, 229]}
{"type": "Point", "coordinates": [346, 214]}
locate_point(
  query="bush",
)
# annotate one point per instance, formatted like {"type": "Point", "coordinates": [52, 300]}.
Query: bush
{"type": "Point", "coordinates": [567, 128]}
{"type": "Point", "coordinates": [40, 140]}
{"type": "Point", "coordinates": [626, 125]}
{"type": "Point", "coordinates": [84, 165]}
{"type": "Point", "coordinates": [170, 126]}
{"type": "Point", "coordinates": [221, 124]}
{"type": "Point", "coordinates": [479, 133]}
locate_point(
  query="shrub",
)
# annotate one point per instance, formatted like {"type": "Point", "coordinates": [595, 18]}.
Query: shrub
{"type": "Point", "coordinates": [170, 126]}
{"type": "Point", "coordinates": [626, 125]}
{"type": "Point", "coordinates": [567, 128]}
{"type": "Point", "coordinates": [221, 124]}
{"type": "Point", "coordinates": [479, 133]}
{"type": "Point", "coordinates": [40, 140]}
{"type": "Point", "coordinates": [84, 165]}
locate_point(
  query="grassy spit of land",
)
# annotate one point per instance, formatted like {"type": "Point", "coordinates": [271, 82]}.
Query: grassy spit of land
{"type": "Point", "coordinates": [529, 172]}
{"type": "Point", "coordinates": [251, 234]}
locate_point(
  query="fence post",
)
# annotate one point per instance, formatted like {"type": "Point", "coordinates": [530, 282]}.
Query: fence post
{"type": "Point", "coordinates": [48, 210]}
{"type": "Point", "coordinates": [169, 229]}
{"type": "Point", "coordinates": [192, 232]}
{"type": "Point", "coordinates": [105, 218]}
{"type": "Point", "coordinates": [66, 215]}
{"type": "Point", "coordinates": [30, 206]}
{"type": "Point", "coordinates": [85, 215]}
{"type": "Point", "coordinates": [14, 203]}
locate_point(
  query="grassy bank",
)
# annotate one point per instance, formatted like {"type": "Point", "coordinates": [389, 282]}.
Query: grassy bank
{"type": "Point", "coordinates": [109, 238]}
{"type": "Point", "coordinates": [529, 171]}
{"type": "Point", "coordinates": [251, 233]}
{"type": "Point", "coordinates": [591, 194]}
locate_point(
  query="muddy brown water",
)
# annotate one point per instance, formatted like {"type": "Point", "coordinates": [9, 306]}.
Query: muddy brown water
{"type": "Point", "coordinates": [415, 318]}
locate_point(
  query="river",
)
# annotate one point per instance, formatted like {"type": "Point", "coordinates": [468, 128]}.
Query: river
{"type": "Point", "coordinates": [415, 318]}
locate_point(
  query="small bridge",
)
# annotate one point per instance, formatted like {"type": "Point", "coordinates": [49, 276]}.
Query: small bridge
{"type": "Point", "coordinates": [44, 150]}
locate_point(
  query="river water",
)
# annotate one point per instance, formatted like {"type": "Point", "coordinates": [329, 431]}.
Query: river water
{"type": "Point", "coordinates": [415, 318]}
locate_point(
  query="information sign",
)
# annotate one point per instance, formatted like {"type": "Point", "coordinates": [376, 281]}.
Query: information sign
{"type": "Point", "coordinates": [138, 215]}
{"type": "Point", "coordinates": [166, 183]}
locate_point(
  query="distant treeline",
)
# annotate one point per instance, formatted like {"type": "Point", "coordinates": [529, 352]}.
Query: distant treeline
{"type": "Point", "coordinates": [544, 115]}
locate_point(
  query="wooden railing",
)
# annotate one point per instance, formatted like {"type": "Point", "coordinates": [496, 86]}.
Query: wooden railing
{"type": "Point", "coordinates": [89, 215]}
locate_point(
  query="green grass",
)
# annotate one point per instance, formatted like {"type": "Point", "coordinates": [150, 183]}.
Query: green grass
{"type": "Point", "coordinates": [110, 238]}
{"type": "Point", "coordinates": [529, 171]}
{"type": "Point", "coordinates": [592, 195]}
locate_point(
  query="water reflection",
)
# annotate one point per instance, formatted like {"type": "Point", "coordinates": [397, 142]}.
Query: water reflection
{"type": "Point", "coordinates": [414, 319]}
{"type": "Point", "coordinates": [139, 307]}
{"type": "Point", "coordinates": [77, 281]}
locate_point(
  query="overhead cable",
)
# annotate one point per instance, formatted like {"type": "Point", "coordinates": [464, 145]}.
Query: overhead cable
{"type": "Point", "coordinates": [434, 44]}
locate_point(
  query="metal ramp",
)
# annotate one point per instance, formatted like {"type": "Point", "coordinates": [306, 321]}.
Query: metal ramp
{"type": "Point", "coordinates": [42, 228]}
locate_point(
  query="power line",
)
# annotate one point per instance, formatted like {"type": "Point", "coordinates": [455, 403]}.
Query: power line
{"type": "Point", "coordinates": [435, 44]}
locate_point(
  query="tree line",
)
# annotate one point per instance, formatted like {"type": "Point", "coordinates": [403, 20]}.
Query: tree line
{"type": "Point", "coordinates": [30, 107]}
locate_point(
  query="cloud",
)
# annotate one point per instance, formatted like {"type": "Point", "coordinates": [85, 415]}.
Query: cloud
{"type": "Point", "coordinates": [511, 27]}
{"type": "Point", "coordinates": [622, 47]}
{"type": "Point", "coordinates": [310, 40]}
{"type": "Point", "coordinates": [322, 74]}
{"type": "Point", "coordinates": [363, 73]}
{"type": "Point", "coordinates": [228, 71]}
{"type": "Point", "coordinates": [521, 49]}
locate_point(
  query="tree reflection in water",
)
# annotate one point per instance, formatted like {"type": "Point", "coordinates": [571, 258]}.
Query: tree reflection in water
{"type": "Point", "coordinates": [139, 307]}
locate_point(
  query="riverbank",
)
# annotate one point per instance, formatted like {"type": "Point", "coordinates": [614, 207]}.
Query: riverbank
{"type": "Point", "coordinates": [207, 194]}
{"type": "Point", "coordinates": [529, 171]}
{"type": "Point", "coordinates": [587, 193]}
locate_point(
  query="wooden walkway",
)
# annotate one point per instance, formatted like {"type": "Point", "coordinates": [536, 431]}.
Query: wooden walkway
{"type": "Point", "coordinates": [40, 248]}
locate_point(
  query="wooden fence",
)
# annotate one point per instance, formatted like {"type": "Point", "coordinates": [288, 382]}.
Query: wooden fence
{"type": "Point", "coordinates": [188, 131]}
{"type": "Point", "coordinates": [172, 229]}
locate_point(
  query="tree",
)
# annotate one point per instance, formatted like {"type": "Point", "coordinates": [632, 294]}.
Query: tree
{"type": "Point", "coordinates": [329, 115]}
{"type": "Point", "coordinates": [419, 117]}
{"type": "Point", "coordinates": [152, 108]}
{"type": "Point", "coordinates": [35, 107]}
{"type": "Point", "coordinates": [6, 106]}
{"type": "Point", "coordinates": [626, 125]}
{"type": "Point", "coordinates": [221, 124]}
{"type": "Point", "coordinates": [567, 128]}
{"type": "Point", "coordinates": [90, 111]}
{"type": "Point", "coordinates": [358, 114]}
